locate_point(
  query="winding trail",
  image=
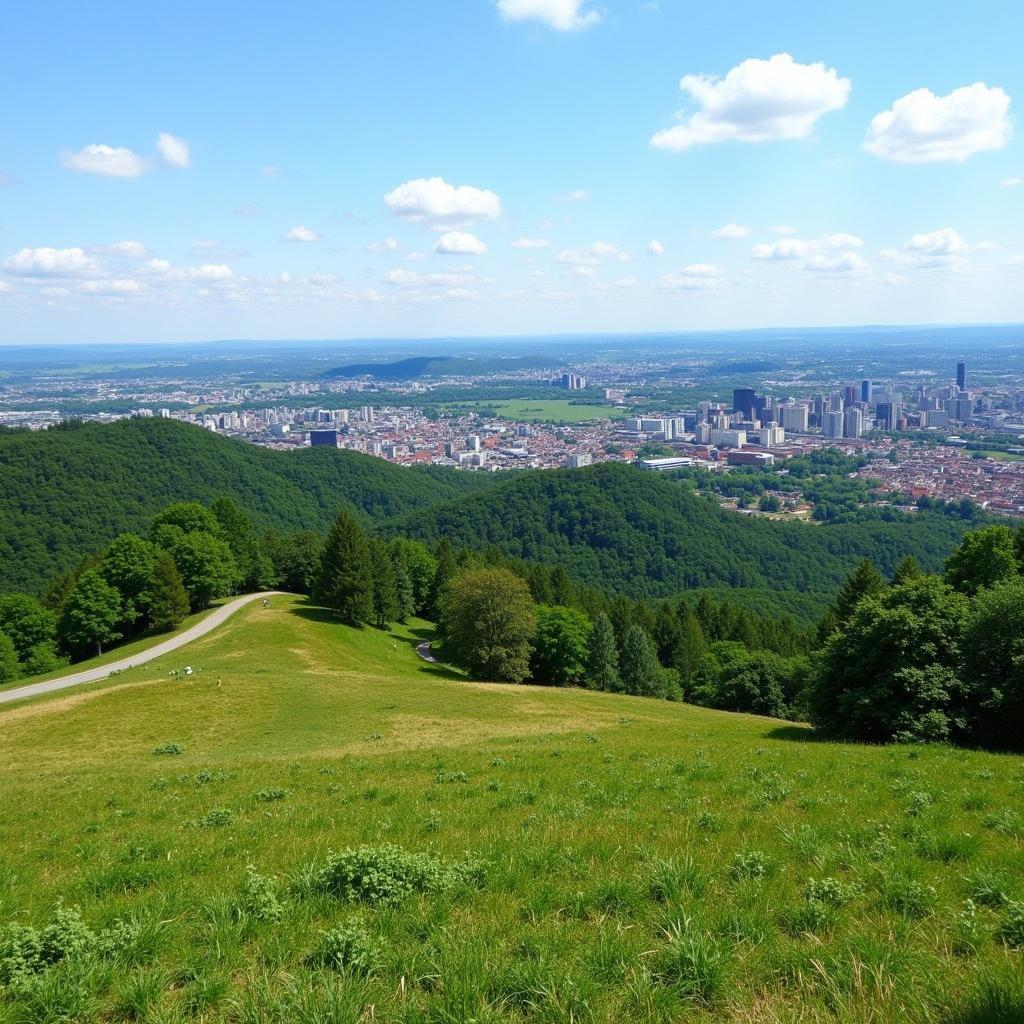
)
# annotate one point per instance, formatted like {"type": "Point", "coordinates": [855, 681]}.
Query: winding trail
{"type": "Point", "coordinates": [211, 622]}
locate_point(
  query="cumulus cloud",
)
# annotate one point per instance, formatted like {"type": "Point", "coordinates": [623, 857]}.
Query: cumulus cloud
{"type": "Point", "coordinates": [174, 151]}
{"type": "Point", "coordinates": [439, 205]}
{"type": "Point", "coordinates": [459, 243]}
{"type": "Point", "coordinates": [300, 233]}
{"type": "Point", "coordinates": [577, 195]}
{"type": "Point", "coordinates": [627, 282]}
{"type": "Point", "coordinates": [47, 262]}
{"type": "Point", "coordinates": [655, 248]}
{"type": "Point", "coordinates": [593, 254]}
{"type": "Point", "coordinates": [841, 264]}
{"type": "Point", "coordinates": [113, 286]}
{"type": "Point", "coordinates": [206, 272]}
{"type": "Point", "coordinates": [731, 231]}
{"type": "Point", "coordinates": [108, 161]}
{"type": "Point", "coordinates": [563, 15]}
{"type": "Point", "coordinates": [1012, 182]}
{"type": "Point", "coordinates": [530, 243]}
{"type": "Point", "coordinates": [695, 277]}
{"type": "Point", "coordinates": [924, 128]}
{"type": "Point", "coordinates": [757, 101]}
{"type": "Point", "coordinates": [788, 248]}
{"type": "Point", "coordinates": [942, 248]}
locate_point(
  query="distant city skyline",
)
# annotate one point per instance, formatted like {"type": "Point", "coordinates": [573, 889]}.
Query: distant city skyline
{"type": "Point", "coordinates": [419, 169]}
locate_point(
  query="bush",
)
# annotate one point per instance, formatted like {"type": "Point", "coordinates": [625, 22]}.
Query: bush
{"type": "Point", "coordinates": [347, 948]}
{"type": "Point", "coordinates": [169, 750]}
{"type": "Point", "coordinates": [387, 875]}
{"type": "Point", "coordinates": [258, 898]}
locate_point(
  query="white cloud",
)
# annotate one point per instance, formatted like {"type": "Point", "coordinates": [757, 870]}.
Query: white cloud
{"type": "Point", "coordinates": [127, 249]}
{"type": "Point", "coordinates": [432, 201]}
{"type": "Point", "coordinates": [577, 195]}
{"type": "Point", "coordinates": [757, 101]}
{"type": "Point", "coordinates": [530, 243]}
{"type": "Point", "coordinates": [398, 276]}
{"type": "Point", "coordinates": [840, 264]}
{"type": "Point", "coordinates": [47, 262]}
{"type": "Point", "coordinates": [459, 243]}
{"type": "Point", "coordinates": [5, 286]}
{"type": "Point", "coordinates": [695, 277]}
{"type": "Point", "coordinates": [206, 272]}
{"type": "Point", "coordinates": [782, 229]}
{"type": "Point", "coordinates": [591, 255]}
{"type": "Point", "coordinates": [300, 233]}
{"type": "Point", "coordinates": [942, 248]}
{"type": "Point", "coordinates": [655, 248]}
{"type": "Point", "coordinates": [627, 282]}
{"type": "Point", "coordinates": [1012, 182]}
{"type": "Point", "coordinates": [109, 161]}
{"type": "Point", "coordinates": [798, 248]}
{"type": "Point", "coordinates": [175, 151]}
{"type": "Point", "coordinates": [924, 128]}
{"type": "Point", "coordinates": [563, 15]}
{"type": "Point", "coordinates": [584, 270]}
{"type": "Point", "coordinates": [271, 171]}
{"type": "Point", "coordinates": [385, 245]}
{"type": "Point", "coordinates": [115, 286]}
{"type": "Point", "coordinates": [731, 231]}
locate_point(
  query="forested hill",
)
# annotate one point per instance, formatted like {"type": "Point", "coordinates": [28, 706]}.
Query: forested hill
{"type": "Point", "coordinates": [66, 492]}
{"type": "Point", "coordinates": [617, 527]}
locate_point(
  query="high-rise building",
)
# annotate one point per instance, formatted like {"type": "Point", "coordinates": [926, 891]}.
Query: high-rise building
{"type": "Point", "coordinates": [849, 394]}
{"type": "Point", "coordinates": [729, 438]}
{"type": "Point", "coordinates": [743, 401]}
{"type": "Point", "coordinates": [888, 414]}
{"type": "Point", "coordinates": [833, 425]}
{"type": "Point", "coordinates": [853, 422]}
{"type": "Point", "coordinates": [865, 390]}
{"type": "Point", "coordinates": [961, 376]}
{"type": "Point", "coordinates": [323, 438]}
{"type": "Point", "coordinates": [473, 443]}
{"type": "Point", "coordinates": [794, 418]}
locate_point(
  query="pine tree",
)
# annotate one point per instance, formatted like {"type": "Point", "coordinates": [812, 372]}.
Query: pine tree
{"type": "Point", "coordinates": [691, 646]}
{"type": "Point", "coordinates": [385, 592]}
{"type": "Point", "coordinates": [405, 596]}
{"type": "Point", "coordinates": [168, 598]}
{"type": "Point", "coordinates": [638, 664]}
{"type": "Point", "coordinates": [865, 581]}
{"type": "Point", "coordinates": [445, 572]}
{"type": "Point", "coordinates": [602, 671]}
{"type": "Point", "coordinates": [666, 633]}
{"type": "Point", "coordinates": [345, 584]}
{"type": "Point", "coordinates": [907, 570]}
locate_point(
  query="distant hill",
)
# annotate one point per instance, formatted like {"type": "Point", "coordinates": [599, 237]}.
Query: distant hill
{"type": "Point", "coordinates": [453, 366]}
{"type": "Point", "coordinates": [66, 492]}
{"type": "Point", "coordinates": [616, 527]}
{"type": "Point", "coordinates": [403, 369]}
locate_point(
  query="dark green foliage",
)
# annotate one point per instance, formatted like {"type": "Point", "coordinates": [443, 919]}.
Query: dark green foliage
{"type": "Point", "coordinates": [27, 623]}
{"type": "Point", "coordinates": [488, 624]}
{"type": "Point", "coordinates": [296, 559]}
{"type": "Point", "coordinates": [602, 670]}
{"type": "Point", "coordinates": [168, 598]}
{"type": "Point", "coordinates": [891, 674]}
{"type": "Point", "coordinates": [345, 583]}
{"type": "Point", "coordinates": [907, 570]}
{"type": "Point", "coordinates": [732, 678]}
{"type": "Point", "coordinates": [405, 595]}
{"type": "Point", "coordinates": [642, 674]}
{"type": "Point", "coordinates": [690, 646]}
{"type": "Point", "coordinates": [347, 948]}
{"type": "Point", "coordinates": [91, 614]}
{"type": "Point", "coordinates": [984, 558]}
{"type": "Point", "coordinates": [10, 667]}
{"type": "Point", "coordinates": [206, 564]}
{"type": "Point", "coordinates": [385, 591]}
{"type": "Point", "coordinates": [626, 531]}
{"type": "Point", "coordinates": [66, 493]}
{"type": "Point", "coordinates": [865, 581]}
{"type": "Point", "coordinates": [560, 645]}
{"type": "Point", "coordinates": [128, 566]}
{"type": "Point", "coordinates": [444, 571]}
{"type": "Point", "coordinates": [187, 516]}
{"type": "Point", "coordinates": [993, 656]}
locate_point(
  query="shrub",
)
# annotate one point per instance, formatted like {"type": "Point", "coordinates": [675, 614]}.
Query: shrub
{"type": "Point", "coordinates": [386, 875]}
{"type": "Point", "coordinates": [267, 796]}
{"type": "Point", "coordinates": [347, 948]}
{"type": "Point", "coordinates": [216, 817]}
{"type": "Point", "coordinates": [168, 750]}
{"type": "Point", "coordinates": [258, 898]}
{"type": "Point", "coordinates": [831, 892]}
{"type": "Point", "coordinates": [25, 951]}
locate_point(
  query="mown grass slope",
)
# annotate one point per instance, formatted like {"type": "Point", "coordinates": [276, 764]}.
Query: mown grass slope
{"type": "Point", "coordinates": [631, 860]}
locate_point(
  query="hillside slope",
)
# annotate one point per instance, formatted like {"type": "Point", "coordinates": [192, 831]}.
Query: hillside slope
{"type": "Point", "coordinates": [614, 526]}
{"type": "Point", "coordinates": [64, 493]}
{"type": "Point", "coordinates": [637, 861]}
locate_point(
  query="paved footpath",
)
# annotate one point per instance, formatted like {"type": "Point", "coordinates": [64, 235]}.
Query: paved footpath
{"type": "Point", "coordinates": [211, 622]}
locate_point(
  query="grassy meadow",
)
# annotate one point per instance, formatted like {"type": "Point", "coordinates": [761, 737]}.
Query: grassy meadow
{"type": "Point", "coordinates": [545, 410]}
{"type": "Point", "coordinates": [181, 850]}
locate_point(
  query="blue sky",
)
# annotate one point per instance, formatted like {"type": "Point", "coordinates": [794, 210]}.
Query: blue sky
{"type": "Point", "coordinates": [418, 167]}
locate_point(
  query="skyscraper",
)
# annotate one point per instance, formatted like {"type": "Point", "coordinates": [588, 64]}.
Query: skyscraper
{"type": "Point", "coordinates": [961, 376]}
{"type": "Point", "coordinates": [743, 401]}
{"type": "Point", "coordinates": [865, 390]}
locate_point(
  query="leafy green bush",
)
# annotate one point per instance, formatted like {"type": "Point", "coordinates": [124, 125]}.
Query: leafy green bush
{"type": "Point", "coordinates": [387, 875]}
{"type": "Point", "coordinates": [347, 948]}
{"type": "Point", "coordinates": [258, 898]}
{"type": "Point", "coordinates": [169, 750]}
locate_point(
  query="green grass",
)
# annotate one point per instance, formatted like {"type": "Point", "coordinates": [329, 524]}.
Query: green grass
{"type": "Point", "coordinates": [544, 410]}
{"type": "Point", "coordinates": [560, 855]}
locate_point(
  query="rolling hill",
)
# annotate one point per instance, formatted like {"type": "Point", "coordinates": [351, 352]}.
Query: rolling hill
{"type": "Point", "coordinates": [66, 492]}
{"type": "Point", "coordinates": [339, 831]}
{"type": "Point", "coordinates": [620, 528]}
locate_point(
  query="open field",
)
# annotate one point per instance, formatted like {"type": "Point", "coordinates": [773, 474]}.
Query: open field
{"type": "Point", "coordinates": [582, 857]}
{"type": "Point", "coordinates": [544, 410]}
